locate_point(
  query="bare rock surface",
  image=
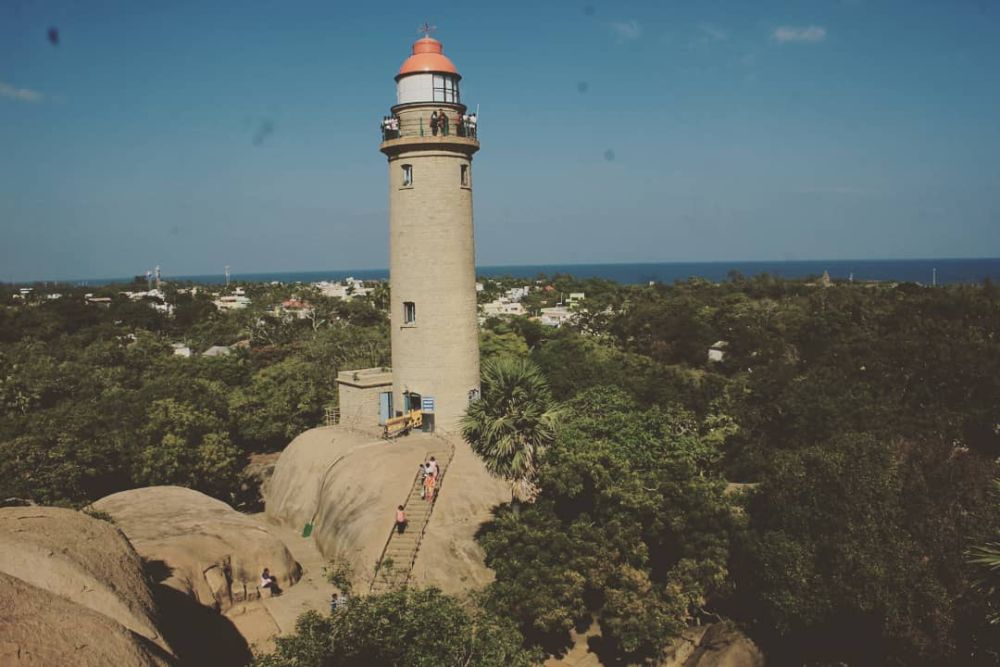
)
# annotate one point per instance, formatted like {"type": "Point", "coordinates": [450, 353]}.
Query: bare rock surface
{"type": "Point", "coordinates": [39, 628]}
{"type": "Point", "coordinates": [723, 645]}
{"type": "Point", "coordinates": [200, 546]}
{"type": "Point", "coordinates": [713, 645]}
{"type": "Point", "coordinates": [450, 558]}
{"type": "Point", "coordinates": [348, 483]}
{"type": "Point", "coordinates": [83, 560]}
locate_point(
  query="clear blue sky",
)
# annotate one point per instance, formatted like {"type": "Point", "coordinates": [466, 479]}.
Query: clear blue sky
{"type": "Point", "coordinates": [198, 134]}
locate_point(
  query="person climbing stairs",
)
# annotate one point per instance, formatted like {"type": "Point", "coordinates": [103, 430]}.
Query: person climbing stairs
{"type": "Point", "coordinates": [400, 552]}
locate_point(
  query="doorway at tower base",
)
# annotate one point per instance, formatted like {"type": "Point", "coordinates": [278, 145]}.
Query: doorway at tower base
{"type": "Point", "coordinates": [367, 401]}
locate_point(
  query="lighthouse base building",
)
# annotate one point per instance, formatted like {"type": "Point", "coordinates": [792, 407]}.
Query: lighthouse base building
{"type": "Point", "coordinates": [429, 140]}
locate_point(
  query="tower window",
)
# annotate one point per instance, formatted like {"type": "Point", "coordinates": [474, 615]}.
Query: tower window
{"type": "Point", "coordinates": [407, 175]}
{"type": "Point", "coordinates": [445, 89]}
{"type": "Point", "coordinates": [409, 312]}
{"type": "Point", "coordinates": [465, 175]}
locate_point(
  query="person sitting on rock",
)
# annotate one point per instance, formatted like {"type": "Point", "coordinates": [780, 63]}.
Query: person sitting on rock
{"type": "Point", "coordinates": [337, 602]}
{"type": "Point", "coordinates": [268, 582]}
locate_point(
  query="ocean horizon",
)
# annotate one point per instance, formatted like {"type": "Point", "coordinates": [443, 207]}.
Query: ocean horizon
{"type": "Point", "coordinates": [925, 271]}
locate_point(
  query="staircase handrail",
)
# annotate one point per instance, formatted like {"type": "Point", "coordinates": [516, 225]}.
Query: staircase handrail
{"type": "Point", "coordinates": [420, 537]}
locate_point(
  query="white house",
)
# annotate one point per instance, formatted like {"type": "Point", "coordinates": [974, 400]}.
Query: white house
{"type": "Point", "coordinates": [717, 351]}
{"type": "Point", "coordinates": [555, 316]}
{"type": "Point", "coordinates": [232, 302]}
{"type": "Point", "coordinates": [181, 350]}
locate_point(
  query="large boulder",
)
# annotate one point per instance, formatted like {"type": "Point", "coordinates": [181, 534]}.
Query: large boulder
{"type": "Point", "coordinates": [347, 484]}
{"type": "Point", "coordinates": [714, 645]}
{"type": "Point", "coordinates": [39, 628]}
{"type": "Point", "coordinates": [67, 555]}
{"type": "Point", "coordinates": [198, 545]}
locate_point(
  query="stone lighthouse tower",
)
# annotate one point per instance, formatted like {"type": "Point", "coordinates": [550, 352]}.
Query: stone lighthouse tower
{"type": "Point", "coordinates": [429, 143]}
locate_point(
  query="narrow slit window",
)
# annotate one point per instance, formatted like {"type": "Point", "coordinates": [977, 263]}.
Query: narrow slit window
{"type": "Point", "coordinates": [409, 312]}
{"type": "Point", "coordinates": [407, 175]}
{"type": "Point", "coordinates": [465, 175]}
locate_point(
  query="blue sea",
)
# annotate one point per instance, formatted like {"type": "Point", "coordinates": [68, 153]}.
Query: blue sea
{"type": "Point", "coordinates": [924, 271]}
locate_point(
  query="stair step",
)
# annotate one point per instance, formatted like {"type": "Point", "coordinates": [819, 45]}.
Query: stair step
{"type": "Point", "coordinates": [402, 549]}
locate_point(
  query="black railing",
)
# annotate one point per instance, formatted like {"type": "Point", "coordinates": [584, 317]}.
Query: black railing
{"type": "Point", "coordinates": [451, 126]}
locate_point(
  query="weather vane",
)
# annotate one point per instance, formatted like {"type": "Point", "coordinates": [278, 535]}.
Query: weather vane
{"type": "Point", "coordinates": [427, 29]}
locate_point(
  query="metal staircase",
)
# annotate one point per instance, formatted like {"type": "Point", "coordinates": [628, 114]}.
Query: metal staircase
{"type": "Point", "coordinates": [400, 552]}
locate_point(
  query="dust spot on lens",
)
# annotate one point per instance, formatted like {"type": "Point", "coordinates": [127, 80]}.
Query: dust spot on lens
{"type": "Point", "coordinates": [264, 130]}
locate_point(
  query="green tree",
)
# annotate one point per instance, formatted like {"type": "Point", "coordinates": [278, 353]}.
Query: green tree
{"type": "Point", "coordinates": [865, 538]}
{"type": "Point", "coordinates": [512, 423]}
{"type": "Point", "coordinates": [406, 628]}
{"type": "Point", "coordinates": [501, 341]}
{"type": "Point", "coordinates": [187, 447]}
{"type": "Point", "coordinates": [629, 529]}
{"type": "Point", "coordinates": [281, 401]}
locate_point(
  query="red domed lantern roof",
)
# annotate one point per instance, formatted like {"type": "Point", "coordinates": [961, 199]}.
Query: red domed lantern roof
{"type": "Point", "coordinates": [427, 57]}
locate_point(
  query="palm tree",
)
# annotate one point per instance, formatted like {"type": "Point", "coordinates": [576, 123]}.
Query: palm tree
{"type": "Point", "coordinates": [985, 559]}
{"type": "Point", "coordinates": [512, 423]}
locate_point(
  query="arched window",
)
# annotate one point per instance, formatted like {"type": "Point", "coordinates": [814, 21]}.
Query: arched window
{"type": "Point", "coordinates": [407, 175]}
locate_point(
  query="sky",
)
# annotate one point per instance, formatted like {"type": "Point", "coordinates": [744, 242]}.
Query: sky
{"type": "Point", "coordinates": [194, 135]}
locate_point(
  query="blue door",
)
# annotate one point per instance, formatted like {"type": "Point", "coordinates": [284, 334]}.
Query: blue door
{"type": "Point", "coordinates": [384, 407]}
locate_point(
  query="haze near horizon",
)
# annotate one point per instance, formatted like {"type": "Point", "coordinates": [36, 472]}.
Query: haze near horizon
{"type": "Point", "coordinates": [245, 134]}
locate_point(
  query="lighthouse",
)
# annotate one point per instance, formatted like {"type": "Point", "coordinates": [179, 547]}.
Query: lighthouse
{"type": "Point", "coordinates": [429, 140]}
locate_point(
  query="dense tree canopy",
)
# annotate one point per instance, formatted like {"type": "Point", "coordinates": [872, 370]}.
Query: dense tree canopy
{"type": "Point", "coordinates": [631, 528]}
{"type": "Point", "coordinates": [93, 400]}
{"type": "Point", "coordinates": [863, 418]}
{"type": "Point", "coordinates": [826, 484]}
{"type": "Point", "coordinates": [407, 628]}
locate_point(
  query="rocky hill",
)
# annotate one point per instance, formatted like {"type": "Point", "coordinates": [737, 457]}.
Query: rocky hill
{"type": "Point", "coordinates": [73, 592]}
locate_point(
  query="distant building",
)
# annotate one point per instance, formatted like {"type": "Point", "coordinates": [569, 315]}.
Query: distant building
{"type": "Point", "coordinates": [555, 316]}
{"type": "Point", "coordinates": [217, 351]}
{"type": "Point", "coordinates": [717, 351]}
{"type": "Point", "coordinates": [232, 302]}
{"type": "Point", "coordinates": [503, 308]}
{"type": "Point", "coordinates": [181, 350]}
{"type": "Point", "coordinates": [348, 288]}
{"type": "Point", "coordinates": [575, 298]}
{"type": "Point", "coordinates": [294, 308]}
{"type": "Point", "coordinates": [517, 293]}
